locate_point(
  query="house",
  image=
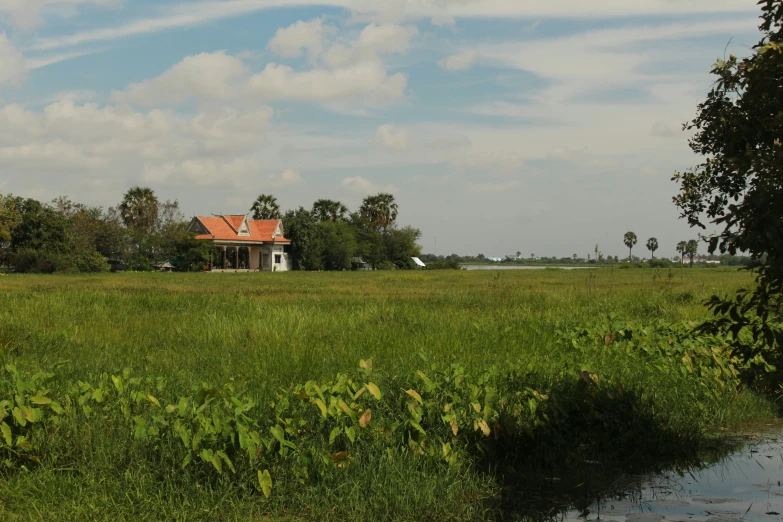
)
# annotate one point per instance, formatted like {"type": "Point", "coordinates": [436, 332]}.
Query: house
{"type": "Point", "coordinates": [163, 266]}
{"type": "Point", "coordinates": [244, 245]}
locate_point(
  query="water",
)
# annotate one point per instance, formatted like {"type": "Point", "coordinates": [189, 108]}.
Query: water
{"type": "Point", "coordinates": [523, 267]}
{"type": "Point", "coordinates": [743, 485]}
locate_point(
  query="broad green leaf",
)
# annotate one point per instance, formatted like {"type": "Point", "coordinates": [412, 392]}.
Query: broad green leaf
{"type": "Point", "coordinates": [427, 382]}
{"type": "Point", "coordinates": [117, 383]}
{"type": "Point", "coordinates": [188, 458]}
{"type": "Point", "coordinates": [278, 433]}
{"type": "Point", "coordinates": [374, 391]}
{"type": "Point", "coordinates": [225, 458]}
{"type": "Point", "coordinates": [22, 442]}
{"type": "Point", "coordinates": [334, 434]}
{"type": "Point", "coordinates": [350, 433]}
{"type": "Point", "coordinates": [40, 400]}
{"type": "Point", "coordinates": [265, 482]}
{"type": "Point", "coordinates": [55, 407]}
{"type": "Point", "coordinates": [20, 417]}
{"type": "Point", "coordinates": [415, 395]}
{"type": "Point", "coordinates": [321, 406]}
{"type": "Point", "coordinates": [153, 400]}
{"type": "Point", "coordinates": [6, 430]}
{"type": "Point", "coordinates": [417, 426]}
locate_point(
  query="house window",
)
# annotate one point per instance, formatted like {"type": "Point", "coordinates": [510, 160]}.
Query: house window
{"type": "Point", "coordinates": [278, 259]}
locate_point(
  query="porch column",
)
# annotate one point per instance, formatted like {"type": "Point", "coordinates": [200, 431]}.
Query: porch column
{"type": "Point", "coordinates": [223, 258]}
{"type": "Point", "coordinates": [254, 258]}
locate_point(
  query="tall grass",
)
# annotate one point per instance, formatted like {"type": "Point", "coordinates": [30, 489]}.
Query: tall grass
{"type": "Point", "coordinates": [264, 332]}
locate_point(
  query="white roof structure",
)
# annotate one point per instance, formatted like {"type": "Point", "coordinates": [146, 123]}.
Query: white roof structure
{"type": "Point", "coordinates": [418, 262]}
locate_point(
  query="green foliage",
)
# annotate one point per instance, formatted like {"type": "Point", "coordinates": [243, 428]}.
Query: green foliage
{"type": "Point", "coordinates": [328, 210]}
{"type": "Point", "coordinates": [122, 432]}
{"type": "Point", "coordinates": [444, 265]}
{"type": "Point", "coordinates": [630, 240]}
{"type": "Point", "coordinates": [266, 207]}
{"type": "Point", "coordinates": [738, 186]}
{"type": "Point", "coordinates": [139, 209]}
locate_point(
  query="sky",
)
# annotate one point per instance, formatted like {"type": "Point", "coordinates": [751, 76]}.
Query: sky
{"type": "Point", "coordinates": [500, 126]}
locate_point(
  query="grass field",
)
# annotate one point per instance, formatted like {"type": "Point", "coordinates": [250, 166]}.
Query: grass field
{"type": "Point", "coordinates": [263, 333]}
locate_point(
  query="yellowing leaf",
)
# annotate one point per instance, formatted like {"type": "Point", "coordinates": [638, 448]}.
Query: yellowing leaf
{"type": "Point", "coordinates": [374, 391]}
{"type": "Point", "coordinates": [415, 395]}
{"type": "Point", "coordinates": [365, 418]}
{"type": "Point", "coordinates": [484, 428]}
{"type": "Point", "coordinates": [40, 400]}
{"type": "Point", "coordinates": [153, 400]}
{"type": "Point", "coordinates": [265, 482]}
{"type": "Point", "coordinates": [366, 365]}
{"type": "Point", "coordinates": [454, 427]}
{"type": "Point", "coordinates": [6, 430]}
{"type": "Point", "coordinates": [321, 406]}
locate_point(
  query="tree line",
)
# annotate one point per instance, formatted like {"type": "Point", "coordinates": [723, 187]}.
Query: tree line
{"type": "Point", "coordinates": [65, 236]}
{"type": "Point", "coordinates": [330, 237]}
{"type": "Point", "coordinates": [685, 248]}
{"type": "Point", "coordinates": [142, 230]}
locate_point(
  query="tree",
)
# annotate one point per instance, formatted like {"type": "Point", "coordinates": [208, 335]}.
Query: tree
{"type": "Point", "coordinates": [265, 207]}
{"type": "Point", "coordinates": [338, 245]}
{"type": "Point", "coordinates": [328, 210]}
{"type": "Point", "coordinates": [652, 246]}
{"type": "Point", "coordinates": [139, 209]}
{"type": "Point", "coordinates": [519, 254]}
{"type": "Point", "coordinates": [379, 211]}
{"type": "Point", "coordinates": [301, 229]}
{"type": "Point", "coordinates": [10, 217]}
{"type": "Point", "coordinates": [691, 249]}
{"type": "Point", "coordinates": [630, 240]}
{"type": "Point", "coordinates": [738, 131]}
{"type": "Point", "coordinates": [682, 246]}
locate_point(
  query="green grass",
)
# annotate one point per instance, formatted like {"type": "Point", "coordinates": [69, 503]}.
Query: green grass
{"type": "Point", "coordinates": [264, 332]}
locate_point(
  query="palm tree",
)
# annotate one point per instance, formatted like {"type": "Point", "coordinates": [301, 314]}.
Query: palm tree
{"type": "Point", "coordinates": [379, 210]}
{"type": "Point", "coordinates": [682, 246]}
{"type": "Point", "coordinates": [519, 254]}
{"type": "Point", "coordinates": [692, 248]}
{"type": "Point", "coordinates": [630, 240]}
{"type": "Point", "coordinates": [265, 207]}
{"type": "Point", "coordinates": [328, 210]}
{"type": "Point", "coordinates": [652, 246]}
{"type": "Point", "coordinates": [139, 208]}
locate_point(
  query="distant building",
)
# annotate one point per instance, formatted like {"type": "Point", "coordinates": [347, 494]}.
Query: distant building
{"type": "Point", "coordinates": [163, 266]}
{"type": "Point", "coordinates": [244, 245]}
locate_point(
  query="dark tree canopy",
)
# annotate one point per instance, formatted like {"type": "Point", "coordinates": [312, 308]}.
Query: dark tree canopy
{"type": "Point", "coordinates": [266, 207]}
{"type": "Point", "coordinates": [139, 209]}
{"type": "Point", "coordinates": [739, 185]}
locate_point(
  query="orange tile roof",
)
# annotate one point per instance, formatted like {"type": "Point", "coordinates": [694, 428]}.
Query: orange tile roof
{"type": "Point", "coordinates": [224, 228]}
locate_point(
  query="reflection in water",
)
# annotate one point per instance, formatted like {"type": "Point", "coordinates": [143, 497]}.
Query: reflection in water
{"type": "Point", "coordinates": [739, 481]}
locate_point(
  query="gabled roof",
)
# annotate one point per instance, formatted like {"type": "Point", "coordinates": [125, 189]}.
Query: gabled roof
{"type": "Point", "coordinates": [230, 228]}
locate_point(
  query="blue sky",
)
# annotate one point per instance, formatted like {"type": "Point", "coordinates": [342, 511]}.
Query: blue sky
{"type": "Point", "coordinates": [499, 125]}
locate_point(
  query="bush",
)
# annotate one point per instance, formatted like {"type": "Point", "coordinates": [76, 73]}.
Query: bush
{"type": "Point", "coordinates": [444, 265]}
{"type": "Point", "coordinates": [659, 263]}
{"type": "Point", "coordinates": [31, 261]}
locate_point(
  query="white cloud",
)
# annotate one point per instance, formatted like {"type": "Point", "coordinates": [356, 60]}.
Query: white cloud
{"type": "Point", "coordinates": [458, 62]}
{"type": "Point", "coordinates": [160, 144]}
{"type": "Point", "coordinates": [289, 42]}
{"type": "Point", "coordinates": [13, 67]}
{"type": "Point", "coordinates": [27, 13]}
{"type": "Point", "coordinates": [369, 79]}
{"type": "Point", "coordinates": [494, 188]}
{"type": "Point", "coordinates": [393, 139]}
{"type": "Point", "coordinates": [373, 41]}
{"type": "Point", "coordinates": [363, 187]}
{"type": "Point", "coordinates": [283, 179]}
{"type": "Point", "coordinates": [192, 14]}
{"type": "Point", "coordinates": [206, 76]}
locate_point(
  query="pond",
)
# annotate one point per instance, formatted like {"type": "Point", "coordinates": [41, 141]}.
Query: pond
{"type": "Point", "coordinates": [743, 484]}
